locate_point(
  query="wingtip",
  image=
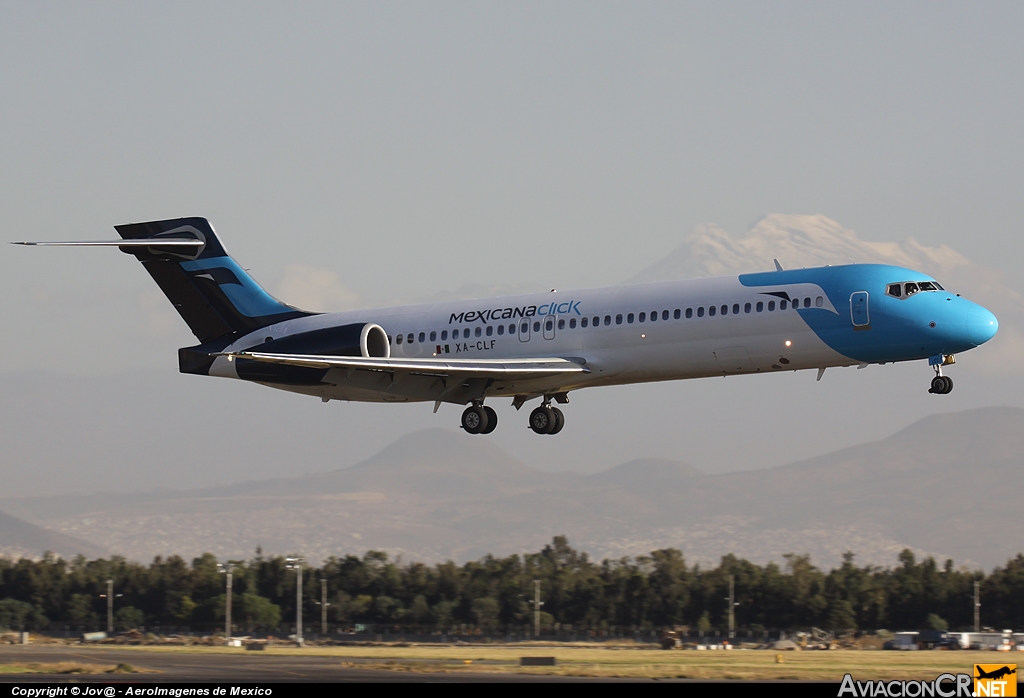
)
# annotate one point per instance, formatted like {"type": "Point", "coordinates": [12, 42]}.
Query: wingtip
{"type": "Point", "coordinates": [778, 267]}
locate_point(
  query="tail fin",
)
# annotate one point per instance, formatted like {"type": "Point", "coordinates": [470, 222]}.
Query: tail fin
{"type": "Point", "coordinates": [211, 292]}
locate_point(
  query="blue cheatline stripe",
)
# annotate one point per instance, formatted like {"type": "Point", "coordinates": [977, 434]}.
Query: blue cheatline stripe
{"type": "Point", "coordinates": [247, 296]}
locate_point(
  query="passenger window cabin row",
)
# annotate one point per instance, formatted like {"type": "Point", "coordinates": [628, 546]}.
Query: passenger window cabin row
{"type": "Point", "coordinates": [597, 320]}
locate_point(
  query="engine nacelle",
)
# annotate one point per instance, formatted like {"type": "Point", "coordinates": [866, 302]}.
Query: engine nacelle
{"type": "Point", "coordinates": [365, 339]}
{"type": "Point", "coordinates": [358, 339]}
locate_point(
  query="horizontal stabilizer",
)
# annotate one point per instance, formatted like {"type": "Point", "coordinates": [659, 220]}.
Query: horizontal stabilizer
{"type": "Point", "coordinates": [213, 294]}
{"type": "Point", "coordinates": [521, 368]}
{"type": "Point", "coordinates": [157, 242]}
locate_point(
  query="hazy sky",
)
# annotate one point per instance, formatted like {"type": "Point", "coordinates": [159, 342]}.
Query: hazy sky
{"type": "Point", "coordinates": [410, 149]}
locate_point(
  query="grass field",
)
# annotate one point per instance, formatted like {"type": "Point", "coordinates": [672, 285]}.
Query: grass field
{"type": "Point", "coordinates": [66, 668]}
{"type": "Point", "coordinates": [629, 662]}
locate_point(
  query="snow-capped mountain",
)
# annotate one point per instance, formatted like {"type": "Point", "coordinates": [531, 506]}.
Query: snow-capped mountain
{"type": "Point", "coordinates": [796, 241]}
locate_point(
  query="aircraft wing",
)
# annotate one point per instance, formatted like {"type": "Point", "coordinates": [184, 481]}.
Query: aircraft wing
{"type": "Point", "coordinates": [462, 368]}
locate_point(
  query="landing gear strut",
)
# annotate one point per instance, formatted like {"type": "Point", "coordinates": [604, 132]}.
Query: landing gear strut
{"type": "Point", "coordinates": [546, 419]}
{"type": "Point", "coordinates": [479, 419]}
{"type": "Point", "coordinates": [941, 385]}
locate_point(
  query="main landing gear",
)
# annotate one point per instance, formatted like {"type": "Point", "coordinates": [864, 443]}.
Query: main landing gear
{"type": "Point", "coordinates": [941, 385]}
{"type": "Point", "coordinates": [479, 419]}
{"type": "Point", "coordinates": [547, 420]}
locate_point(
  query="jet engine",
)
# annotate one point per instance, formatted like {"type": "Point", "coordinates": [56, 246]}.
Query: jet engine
{"type": "Point", "coordinates": [358, 339]}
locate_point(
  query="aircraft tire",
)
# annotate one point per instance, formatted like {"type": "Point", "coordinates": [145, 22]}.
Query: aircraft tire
{"type": "Point", "coordinates": [559, 421]}
{"type": "Point", "coordinates": [938, 385]}
{"type": "Point", "coordinates": [949, 385]}
{"type": "Point", "coordinates": [474, 420]}
{"type": "Point", "coordinates": [542, 420]}
{"type": "Point", "coordinates": [492, 420]}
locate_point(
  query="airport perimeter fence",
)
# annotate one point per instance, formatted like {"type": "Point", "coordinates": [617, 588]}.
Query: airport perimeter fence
{"type": "Point", "coordinates": [467, 636]}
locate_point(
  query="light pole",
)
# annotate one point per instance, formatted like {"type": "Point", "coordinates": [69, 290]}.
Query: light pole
{"type": "Point", "coordinates": [977, 607]}
{"type": "Point", "coordinates": [295, 563]}
{"type": "Point", "coordinates": [323, 606]}
{"type": "Point", "coordinates": [109, 596]}
{"type": "Point", "coordinates": [227, 570]}
{"type": "Point", "coordinates": [732, 607]}
{"type": "Point", "coordinates": [537, 603]}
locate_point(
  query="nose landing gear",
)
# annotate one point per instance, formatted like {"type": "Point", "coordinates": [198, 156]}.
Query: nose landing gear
{"type": "Point", "coordinates": [941, 385]}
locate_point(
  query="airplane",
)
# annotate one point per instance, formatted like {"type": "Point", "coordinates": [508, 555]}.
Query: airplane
{"type": "Point", "coordinates": [994, 674]}
{"type": "Point", "coordinates": [547, 345]}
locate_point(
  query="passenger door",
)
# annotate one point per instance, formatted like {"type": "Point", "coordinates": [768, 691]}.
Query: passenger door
{"type": "Point", "coordinates": [859, 309]}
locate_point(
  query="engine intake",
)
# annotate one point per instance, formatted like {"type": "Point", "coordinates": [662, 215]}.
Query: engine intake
{"type": "Point", "coordinates": [373, 342]}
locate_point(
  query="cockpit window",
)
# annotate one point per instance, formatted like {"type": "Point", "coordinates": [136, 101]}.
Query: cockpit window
{"type": "Point", "coordinates": [909, 288]}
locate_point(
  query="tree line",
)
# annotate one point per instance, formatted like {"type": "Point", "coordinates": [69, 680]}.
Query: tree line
{"type": "Point", "coordinates": [495, 594]}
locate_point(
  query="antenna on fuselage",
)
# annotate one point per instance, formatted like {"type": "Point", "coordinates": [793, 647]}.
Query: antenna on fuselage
{"type": "Point", "coordinates": [778, 267]}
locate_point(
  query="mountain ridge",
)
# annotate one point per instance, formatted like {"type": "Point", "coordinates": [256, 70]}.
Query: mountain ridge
{"type": "Point", "coordinates": [945, 485]}
{"type": "Point", "coordinates": [20, 538]}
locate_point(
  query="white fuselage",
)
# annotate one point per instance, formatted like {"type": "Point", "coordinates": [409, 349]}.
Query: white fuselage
{"type": "Point", "coordinates": [619, 348]}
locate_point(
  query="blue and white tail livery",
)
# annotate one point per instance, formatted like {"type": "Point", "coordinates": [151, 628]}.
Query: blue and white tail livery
{"type": "Point", "coordinates": [547, 345]}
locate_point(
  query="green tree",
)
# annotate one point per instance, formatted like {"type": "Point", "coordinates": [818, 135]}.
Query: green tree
{"type": "Point", "coordinates": [419, 611]}
{"type": "Point", "coordinates": [444, 614]}
{"type": "Point", "coordinates": [16, 614]}
{"type": "Point", "coordinates": [936, 622]}
{"type": "Point", "coordinates": [361, 607]}
{"type": "Point", "coordinates": [669, 586]}
{"type": "Point", "coordinates": [388, 608]}
{"type": "Point", "coordinates": [841, 616]}
{"type": "Point", "coordinates": [340, 610]}
{"type": "Point", "coordinates": [186, 608]}
{"type": "Point", "coordinates": [128, 617]}
{"type": "Point", "coordinates": [80, 610]}
{"type": "Point", "coordinates": [485, 612]}
{"type": "Point", "coordinates": [256, 611]}
{"type": "Point", "coordinates": [618, 595]}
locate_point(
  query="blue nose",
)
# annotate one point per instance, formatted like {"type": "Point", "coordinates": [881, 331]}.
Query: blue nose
{"type": "Point", "coordinates": [981, 325]}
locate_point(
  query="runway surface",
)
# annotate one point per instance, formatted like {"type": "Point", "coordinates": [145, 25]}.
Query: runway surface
{"type": "Point", "coordinates": [245, 667]}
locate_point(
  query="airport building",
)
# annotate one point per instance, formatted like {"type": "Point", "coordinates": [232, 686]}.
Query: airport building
{"type": "Point", "coordinates": [1005, 640]}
